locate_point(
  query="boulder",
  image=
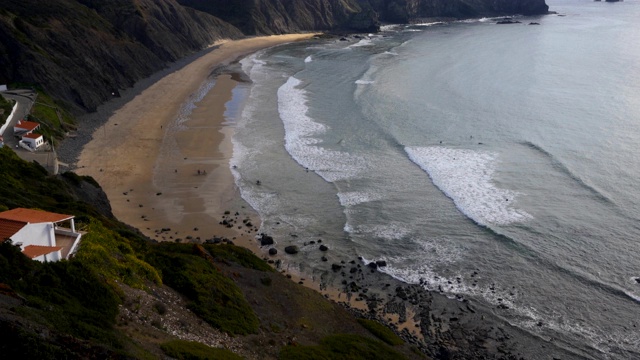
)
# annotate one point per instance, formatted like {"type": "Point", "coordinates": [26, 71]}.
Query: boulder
{"type": "Point", "coordinates": [266, 240]}
{"type": "Point", "coordinates": [507, 21]}
{"type": "Point", "coordinates": [291, 249]}
{"type": "Point", "coordinates": [323, 248]}
{"type": "Point", "coordinates": [273, 251]}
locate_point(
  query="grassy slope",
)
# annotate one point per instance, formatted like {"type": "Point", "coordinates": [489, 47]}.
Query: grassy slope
{"type": "Point", "coordinates": [76, 302]}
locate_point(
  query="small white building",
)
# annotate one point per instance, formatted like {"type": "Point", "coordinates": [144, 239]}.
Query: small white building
{"type": "Point", "coordinates": [23, 127]}
{"type": "Point", "coordinates": [42, 236]}
{"type": "Point", "coordinates": [33, 140]}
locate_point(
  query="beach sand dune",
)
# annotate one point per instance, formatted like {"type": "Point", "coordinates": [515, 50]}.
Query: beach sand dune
{"type": "Point", "coordinates": [164, 170]}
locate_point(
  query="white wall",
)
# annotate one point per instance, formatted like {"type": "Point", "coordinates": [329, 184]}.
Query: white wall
{"type": "Point", "coordinates": [33, 143]}
{"type": "Point", "coordinates": [51, 257]}
{"type": "Point", "coordinates": [6, 123]}
{"type": "Point", "coordinates": [35, 234]}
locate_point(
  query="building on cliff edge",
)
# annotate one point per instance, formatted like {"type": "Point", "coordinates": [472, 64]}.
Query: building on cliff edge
{"type": "Point", "coordinates": [42, 236]}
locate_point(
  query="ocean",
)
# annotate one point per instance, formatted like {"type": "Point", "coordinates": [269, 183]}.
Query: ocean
{"type": "Point", "coordinates": [492, 162]}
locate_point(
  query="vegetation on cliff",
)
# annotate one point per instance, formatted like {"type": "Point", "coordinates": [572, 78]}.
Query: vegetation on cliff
{"type": "Point", "coordinates": [71, 309]}
{"type": "Point", "coordinates": [85, 51]}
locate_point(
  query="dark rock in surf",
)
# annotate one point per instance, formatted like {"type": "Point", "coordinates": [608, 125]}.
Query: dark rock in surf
{"type": "Point", "coordinates": [273, 251]}
{"type": "Point", "coordinates": [266, 240]}
{"type": "Point", "coordinates": [291, 250]}
{"type": "Point", "coordinates": [507, 21]}
{"type": "Point", "coordinates": [323, 248]}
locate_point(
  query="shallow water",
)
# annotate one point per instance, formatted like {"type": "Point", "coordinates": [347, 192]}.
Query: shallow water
{"type": "Point", "coordinates": [496, 162]}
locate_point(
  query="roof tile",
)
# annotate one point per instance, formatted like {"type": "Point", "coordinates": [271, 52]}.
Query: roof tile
{"type": "Point", "coordinates": [33, 251]}
{"type": "Point", "coordinates": [33, 216]}
{"type": "Point", "coordinates": [8, 228]}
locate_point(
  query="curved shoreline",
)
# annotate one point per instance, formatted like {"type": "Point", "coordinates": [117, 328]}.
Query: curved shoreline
{"type": "Point", "coordinates": [125, 154]}
{"type": "Point", "coordinates": [127, 150]}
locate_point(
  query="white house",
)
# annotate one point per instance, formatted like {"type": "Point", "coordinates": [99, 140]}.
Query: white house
{"type": "Point", "coordinates": [33, 140]}
{"type": "Point", "coordinates": [23, 127]}
{"type": "Point", "coordinates": [42, 236]}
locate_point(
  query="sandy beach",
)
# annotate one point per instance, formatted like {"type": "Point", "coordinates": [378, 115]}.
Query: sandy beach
{"type": "Point", "coordinates": [168, 174]}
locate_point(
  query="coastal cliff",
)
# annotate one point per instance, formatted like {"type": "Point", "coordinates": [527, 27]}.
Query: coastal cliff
{"type": "Point", "coordinates": [282, 16]}
{"type": "Point", "coordinates": [402, 11]}
{"type": "Point", "coordinates": [84, 51]}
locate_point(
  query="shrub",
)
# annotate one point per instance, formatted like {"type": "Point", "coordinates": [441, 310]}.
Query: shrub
{"type": "Point", "coordinates": [212, 296]}
{"type": "Point", "coordinates": [111, 255]}
{"type": "Point", "coordinates": [381, 332]}
{"type": "Point", "coordinates": [342, 346]}
{"type": "Point", "coordinates": [160, 308]}
{"type": "Point", "coordinates": [239, 255]}
{"type": "Point", "coordinates": [191, 350]}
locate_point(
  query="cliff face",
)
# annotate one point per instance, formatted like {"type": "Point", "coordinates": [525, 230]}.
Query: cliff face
{"type": "Point", "coordinates": [282, 16]}
{"type": "Point", "coordinates": [84, 50]}
{"type": "Point", "coordinates": [403, 11]}
{"type": "Point", "coordinates": [285, 16]}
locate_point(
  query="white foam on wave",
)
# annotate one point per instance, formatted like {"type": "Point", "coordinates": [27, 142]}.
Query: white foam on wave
{"type": "Point", "coordinates": [187, 107]}
{"type": "Point", "coordinates": [388, 231]}
{"type": "Point", "coordinates": [252, 65]}
{"type": "Point", "coordinates": [364, 82]}
{"type": "Point", "coordinates": [465, 176]}
{"type": "Point", "coordinates": [393, 27]}
{"type": "Point", "coordinates": [390, 53]}
{"type": "Point", "coordinates": [352, 198]}
{"type": "Point", "coordinates": [528, 317]}
{"type": "Point", "coordinates": [429, 24]}
{"type": "Point", "coordinates": [301, 137]}
{"type": "Point", "coordinates": [308, 59]}
{"type": "Point", "coordinates": [432, 253]}
{"type": "Point", "coordinates": [363, 42]}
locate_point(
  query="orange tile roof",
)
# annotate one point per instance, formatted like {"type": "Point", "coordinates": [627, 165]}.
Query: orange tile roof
{"type": "Point", "coordinates": [33, 216]}
{"type": "Point", "coordinates": [8, 228]}
{"type": "Point", "coordinates": [33, 251]}
{"type": "Point", "coordinates": [28, 125]}
{"type": "Point", "coordinates": [32, 135]}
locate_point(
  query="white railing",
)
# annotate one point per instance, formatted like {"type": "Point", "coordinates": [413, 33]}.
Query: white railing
{"type": "Point", "coordinates": [6, 123]}
{"type": "Point", "coordinates": [65, 231]}
{"type": "Point", "coordinates": [74, 246]}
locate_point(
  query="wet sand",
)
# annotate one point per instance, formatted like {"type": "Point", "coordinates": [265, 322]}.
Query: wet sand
{"type": "Point", "coordinates": [161, 171]}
